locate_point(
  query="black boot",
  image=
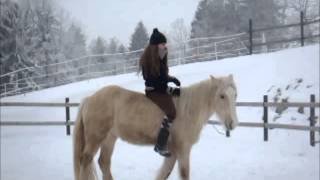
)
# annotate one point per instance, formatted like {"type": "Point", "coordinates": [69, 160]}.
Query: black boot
{"type": "Point", "coordinates": [161, 146]}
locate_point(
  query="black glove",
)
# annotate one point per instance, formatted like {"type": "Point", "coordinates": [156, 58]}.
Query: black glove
{"type": "Point", "coordinates": [175, 81]}
{"type": "Point", "coordinates": [173, 91]}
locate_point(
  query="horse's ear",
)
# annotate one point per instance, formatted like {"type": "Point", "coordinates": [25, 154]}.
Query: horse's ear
{"type": "Point", "coordinates": [230, 76]}
{"type": "Point", "coordinates": [212, 78]}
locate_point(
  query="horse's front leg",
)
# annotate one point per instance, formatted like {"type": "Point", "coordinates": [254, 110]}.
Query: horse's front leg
{"type": "Point", "coordinates": [167, 167]}
{"type": "Point", "coordinates": [183, 157]}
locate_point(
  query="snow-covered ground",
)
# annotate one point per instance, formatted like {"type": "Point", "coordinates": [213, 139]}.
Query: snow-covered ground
{"type": "Point", "coordinates": [30, 153]}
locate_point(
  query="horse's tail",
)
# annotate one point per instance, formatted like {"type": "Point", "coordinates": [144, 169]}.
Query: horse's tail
{"type": "Point", "coordinates": [78, 142]}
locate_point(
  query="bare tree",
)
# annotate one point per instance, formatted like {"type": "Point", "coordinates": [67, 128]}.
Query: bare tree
{"type": "Point", "coordinates": [310, 8]}
{"type": "Point", "coordinates": [179, 32]}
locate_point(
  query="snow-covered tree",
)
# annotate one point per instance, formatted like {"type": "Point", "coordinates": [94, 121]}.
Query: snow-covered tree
{"type": "Point", "coordinates": [8, 37]}
{"type": "Point", "coordinates": [38, 39]}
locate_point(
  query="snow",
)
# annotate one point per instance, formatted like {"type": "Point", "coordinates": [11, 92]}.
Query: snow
{"type": "Point", "coordinates": [46, 152]}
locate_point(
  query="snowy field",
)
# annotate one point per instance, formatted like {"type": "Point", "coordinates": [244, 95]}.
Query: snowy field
{"type": "Point", "coordinates": [31, 153]}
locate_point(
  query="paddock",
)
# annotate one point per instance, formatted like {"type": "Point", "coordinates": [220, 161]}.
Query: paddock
{"type": "Point", "coordinates": [49, 151]}
{"type": "Point", "coordinates": [45, 152]}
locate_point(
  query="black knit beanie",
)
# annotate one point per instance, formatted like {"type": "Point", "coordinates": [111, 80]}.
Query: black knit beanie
{"type": "Point", "coordinates": [157, 37]}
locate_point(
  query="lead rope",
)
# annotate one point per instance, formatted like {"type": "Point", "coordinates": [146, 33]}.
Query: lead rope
{"type": "Point", "coordinates": [218, 131]}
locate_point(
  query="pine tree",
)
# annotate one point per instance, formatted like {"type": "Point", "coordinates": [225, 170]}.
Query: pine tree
{"type": "Point", "coordinates": [221, 17]}
{"type": "Point", "coordinates": [263, 13]}
{"type": "Point", "coordinates": [74, 42]}
{"type": "Point", "coordinates": [214, 18]}
{"type": "Point", "coordinates": [122, 49]}
{"type": "Point", "coordinates": [139, 38]}
{"type": "Point", "coordinates": [98, 47]}
{"type": "Point", "coordinates": [113, 46]}
{"type": "Point", "coordinates": [74, 46]}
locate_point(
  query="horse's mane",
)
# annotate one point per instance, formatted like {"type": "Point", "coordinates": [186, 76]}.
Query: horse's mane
{"type": "Point", "coordinates": [196, 100]}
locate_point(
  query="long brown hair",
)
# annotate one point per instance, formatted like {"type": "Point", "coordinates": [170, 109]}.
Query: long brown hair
{"type": "Point", "coordinates": [150, 61]}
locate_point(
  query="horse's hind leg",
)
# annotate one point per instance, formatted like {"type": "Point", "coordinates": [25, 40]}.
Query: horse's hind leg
{"type": "Point", "coordinates": [167, 167]}
{"type": "Point", "coordinates": [105, 156]}
{"type": "Point", "coordinates": [87, 169]}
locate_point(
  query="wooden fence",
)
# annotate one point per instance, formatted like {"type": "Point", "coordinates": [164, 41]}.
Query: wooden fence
{"type": "Point", "coordinates": [302, 37]}
{"type": "Point", "coordinates": [312, 128]}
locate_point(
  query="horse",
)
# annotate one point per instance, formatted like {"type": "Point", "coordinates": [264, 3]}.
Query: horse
{"type": "Point", "coordinates": [114, 112]}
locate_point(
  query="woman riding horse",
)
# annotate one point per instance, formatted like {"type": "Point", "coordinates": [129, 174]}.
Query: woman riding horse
{"type": "Point", "coordinates": [154, 67]}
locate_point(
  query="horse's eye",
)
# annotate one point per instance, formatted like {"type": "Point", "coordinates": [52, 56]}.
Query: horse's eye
{"type": "Point", "coordinates": [222, 96]}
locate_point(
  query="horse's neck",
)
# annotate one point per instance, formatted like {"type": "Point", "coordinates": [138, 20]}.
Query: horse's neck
{"type": "Point", "coordinates": [196, 101]}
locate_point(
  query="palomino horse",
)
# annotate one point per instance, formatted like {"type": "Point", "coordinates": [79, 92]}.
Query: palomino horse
{"type": "Point", "coordinates": [114, 112]}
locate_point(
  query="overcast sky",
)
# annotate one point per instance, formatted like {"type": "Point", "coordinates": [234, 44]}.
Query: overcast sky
{"type": "Point", "coordinates": [118, 18]}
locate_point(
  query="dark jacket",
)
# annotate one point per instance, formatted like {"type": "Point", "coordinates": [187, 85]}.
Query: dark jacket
{"type": "Point", "coordinates": [159, 83]}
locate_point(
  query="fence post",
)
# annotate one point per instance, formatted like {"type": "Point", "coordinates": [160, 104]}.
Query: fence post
{"type": "Point", "coordinates": [67, 116]}
{"type": "Point", "coordinates": [250, 37]}
{"type": "Point", "coordinates": [198, 48]}
{"type": "Point", "coordinates": [265, 117]}
{"type": "Point", "coordinates": [184, 53]}
{"type": "Point", "coordinates": [215, 50]}
{"type": "Point", "coordinates": [301, 29]}
{"type": "Point", "coordinates": [312, 118]}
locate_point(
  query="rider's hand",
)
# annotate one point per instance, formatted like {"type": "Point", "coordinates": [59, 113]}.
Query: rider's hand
{"type": "Point", "coordinates": [173, 91]}
{"type": "Point", "coordinates": [175, 81]}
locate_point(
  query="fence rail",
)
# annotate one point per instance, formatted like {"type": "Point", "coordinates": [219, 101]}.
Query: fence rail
{"type": "Point", "coordinates": [271, 126]}
{"type": "Point", "coordinates": [286, 26]}
{"type": "Point", "coordinates": [240, 104]}
{"type": "Point", "coordinates": [212, 122]}
{"type": "Point", "coordinates": [312, 128]}
{"type": "Point", "coordinates": [285, 40]}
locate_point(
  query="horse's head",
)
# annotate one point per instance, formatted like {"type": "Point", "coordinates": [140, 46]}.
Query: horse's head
{"type": "Point", "coordinates": [225, 101]}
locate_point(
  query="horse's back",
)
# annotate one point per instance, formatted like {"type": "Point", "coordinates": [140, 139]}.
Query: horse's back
{"type": "Point", "coordinates": [132, 115]}
{"type": "Point", "coordinates": [133, 104]}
